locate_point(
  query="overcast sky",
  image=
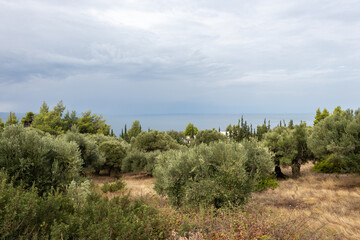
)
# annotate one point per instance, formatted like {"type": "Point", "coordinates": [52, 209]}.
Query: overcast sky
{"type": "Point", "coordinates": [180, 56]}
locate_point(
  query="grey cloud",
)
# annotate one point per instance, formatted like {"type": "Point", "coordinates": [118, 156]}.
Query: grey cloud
{"type": "Point", "coordinates": [196, 56]}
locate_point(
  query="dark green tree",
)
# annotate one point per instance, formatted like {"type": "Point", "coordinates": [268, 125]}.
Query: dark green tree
{"type": "Point", "coordinates": [69, 120]}
{"type": "Point", "coordinates": [240, 131]}
{"type": "Point", "coordinates": [28, 119]}
{"type": "Point", "coordinates": [2, 124]}
{"type": "Point", "coordinates": [261, 130]}
{"type": "Point", "coordinates": [49, 121]}
{"type": "Point", "coordinates": [114, 152]}
{"type": "Point", "coordinates": [321, 115]}
{"type": "Point", "coordinates": [191, 130]}
{"type": "Point", "coordinates": [134, 131]}
{"type": "Point", "coordinates": [93, 124]}
{"type": "Point", "coordinates": [11, 119]}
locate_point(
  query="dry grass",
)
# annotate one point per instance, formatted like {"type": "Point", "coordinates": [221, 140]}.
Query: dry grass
{"type": "Point", "coordinates": [332, 200]}
{"type": "Point", "coordinates": [329, 202]}
{"type": "Point", "coordinates": [139, 184]}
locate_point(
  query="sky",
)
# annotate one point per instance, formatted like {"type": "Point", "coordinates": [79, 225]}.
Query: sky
{"type": "Point", "coordinates": [123, 57]}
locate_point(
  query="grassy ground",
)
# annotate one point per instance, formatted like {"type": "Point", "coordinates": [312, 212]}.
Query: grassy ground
{"type": "Point", "coordinates": [329, 200]}
{"type": "Point", "coordinates": [314, 206]}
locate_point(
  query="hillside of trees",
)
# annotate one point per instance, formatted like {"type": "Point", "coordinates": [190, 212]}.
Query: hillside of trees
{"type": "Point", "coordinates": [46, 158]}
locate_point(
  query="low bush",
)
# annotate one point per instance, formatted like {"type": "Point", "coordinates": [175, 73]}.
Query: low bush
{"type": "Point", "coordinates": [267, 182]}
{"type": "Point", "coordinates": [26, 215]}
{"type": "Point", "coordinates": [333, 164]}
{"type": "Point", "coordinates": [113, 187]}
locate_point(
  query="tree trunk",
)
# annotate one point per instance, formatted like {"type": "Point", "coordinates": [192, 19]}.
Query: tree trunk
{"type": "Point", "coordinates": [114, 172]}
{"type": "Point", "coordinates": [278, 173]}
{"type": "Point", "coordinates": [295, 168]}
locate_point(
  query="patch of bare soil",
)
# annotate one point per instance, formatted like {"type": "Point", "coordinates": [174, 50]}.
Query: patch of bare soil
{"type": "Point", "coordinates": [139, 184]}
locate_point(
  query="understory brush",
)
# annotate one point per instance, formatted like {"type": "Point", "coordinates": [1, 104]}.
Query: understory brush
{"type": "Point", "coordinates": [251, 222]}
{"type": "Point", "coordinates": [113, 187]}
{"type": "Point", "coordinates": [58, 215]}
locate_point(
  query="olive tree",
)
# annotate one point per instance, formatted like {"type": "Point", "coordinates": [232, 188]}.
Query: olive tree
{"type": "Point", "coordinates": [290, 148]}
{"type": "Point", "coordinates": [114, 152]}
{"type": "Point", "coordinates": [31, 157]}
{"type": "Point", "coordinates": [219, 174]}
{"type": "Point", "coordinates": [335, 142]}
{"type": "Point", "coordinates": [208, 136]}
{"type": "Point", "coordinates": [92, 158]}
{"type": "Point", "coordinates": [154, 140]}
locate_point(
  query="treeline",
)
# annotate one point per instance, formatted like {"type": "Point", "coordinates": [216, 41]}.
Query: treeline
{"type": "Point", "coordinates": [44, 160]}
{"type": "Point", "coordinates": [56, 122]}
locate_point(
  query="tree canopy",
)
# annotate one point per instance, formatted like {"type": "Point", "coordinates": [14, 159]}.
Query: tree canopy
{"type": "Point", "coordinates": [153, 141]}
{"type": "Point", "coordinates": [11, 119]}
{"type": "Point", "coordinates": [191, 130]}
{"type": "Point", "coordinates": [335, 142]}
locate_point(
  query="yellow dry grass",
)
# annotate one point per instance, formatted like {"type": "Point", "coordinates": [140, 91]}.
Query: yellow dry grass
{"type": "Point", "coordinates": [329, 200]}
{"type": "Point", "coordinates": [138, 184]}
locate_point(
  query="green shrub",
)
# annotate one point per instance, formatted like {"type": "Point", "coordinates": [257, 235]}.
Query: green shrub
{"type": "Point", "coordinates": [26, 215]}
{"type": "Point", "coordinates": [31, 157]}
{"type": "Point", "coordinates": [221, 174]}
{"type": "Point", "coordinates": [268, 182]}
{"type": "Point", "coordinates": [332, 164]}
{"type": "Point", "coordinates": [114, 152]}
{"type": "Point", "coordinates": [113, 187]}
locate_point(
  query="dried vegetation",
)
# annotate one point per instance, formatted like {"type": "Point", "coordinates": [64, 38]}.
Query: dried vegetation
{"type": "Point", "coordinates": [313, 206]}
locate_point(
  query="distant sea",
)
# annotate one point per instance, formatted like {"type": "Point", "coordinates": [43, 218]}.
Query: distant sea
{"type": "Point", "coordinates": [202, 121]}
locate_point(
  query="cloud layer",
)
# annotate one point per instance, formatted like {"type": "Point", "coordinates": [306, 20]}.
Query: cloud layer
{"type": "Point", "coordinates": [151, 57]}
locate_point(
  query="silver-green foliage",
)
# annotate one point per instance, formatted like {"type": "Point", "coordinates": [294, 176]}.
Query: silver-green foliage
{"type": "Point", "coordinates": [335, 141]}
{"type": "Point", "coordinates": [218, 174]}
{"type": "Point", "coordinates": [92, 157]}
{"type": "Point", "coordinates": [31, 157]}
{"type": "Point", "coordinates": [153, 141]}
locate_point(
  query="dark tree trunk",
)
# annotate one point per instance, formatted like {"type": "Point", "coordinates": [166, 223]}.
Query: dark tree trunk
{"type": "Point", "coordinates": [114, 172]}
{"type": "Point", "coordinates": [279, 174]}
{"type": "Point", "coordinates": [295, 169]}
